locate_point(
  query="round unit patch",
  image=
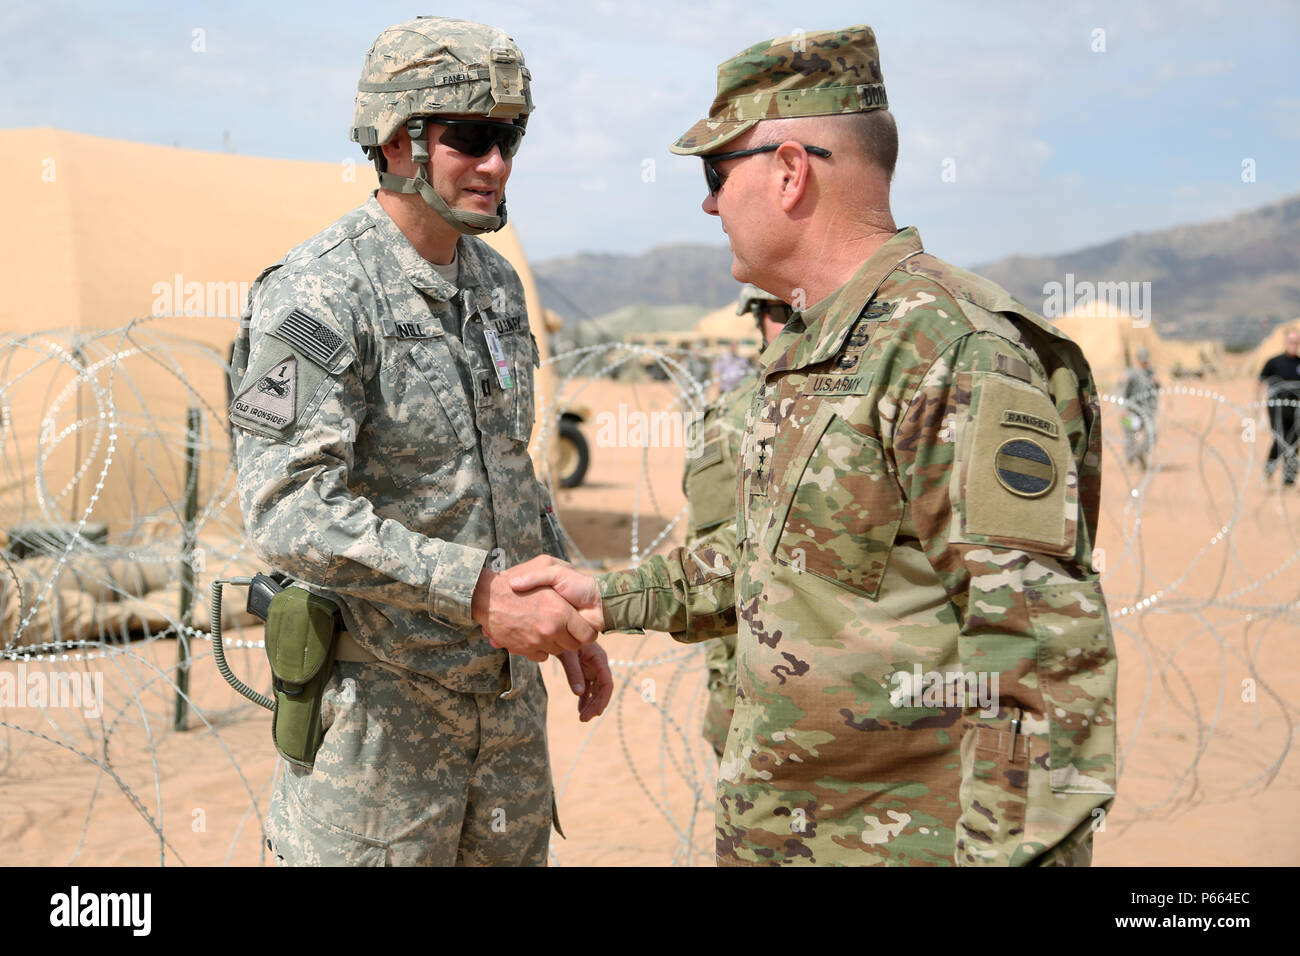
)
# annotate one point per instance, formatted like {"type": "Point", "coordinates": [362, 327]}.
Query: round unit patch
{"type": "Point", "coordinates": [1024, 468]}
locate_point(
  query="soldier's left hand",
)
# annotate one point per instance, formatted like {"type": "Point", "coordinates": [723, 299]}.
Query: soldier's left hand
{"type": "Point", "coordinates": [587, 670]}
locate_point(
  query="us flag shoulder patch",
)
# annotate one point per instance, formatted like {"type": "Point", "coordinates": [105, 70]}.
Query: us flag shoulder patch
{"type": "Point", "coordinates": [311, 337]}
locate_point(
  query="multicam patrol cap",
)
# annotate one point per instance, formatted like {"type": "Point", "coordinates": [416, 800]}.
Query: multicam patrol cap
{"type": "Point", "coordinates": [804, 74]}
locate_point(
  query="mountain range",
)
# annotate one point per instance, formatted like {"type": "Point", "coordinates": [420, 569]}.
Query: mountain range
{"type": "Point", "coordinates": [1230, 279]}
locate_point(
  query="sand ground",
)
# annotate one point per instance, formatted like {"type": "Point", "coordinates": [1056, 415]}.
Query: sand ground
{"type": "Point", "coordinates": [1208, 774]}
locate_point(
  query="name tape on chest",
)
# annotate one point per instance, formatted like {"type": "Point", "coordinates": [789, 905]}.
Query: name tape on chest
{"type": "Point", "coordinates": [311, 337]}
{"type": "Point", "coordinates": [270, 400]}
{"type": "Point", "coordinates": [415, 330]}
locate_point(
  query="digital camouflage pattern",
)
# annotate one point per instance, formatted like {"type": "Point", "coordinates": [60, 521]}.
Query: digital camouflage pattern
{"type": "Point", "coordinates": [710, 486]}
{"type": "Point", "coordinates": [383, 455]}
{"type": "Point", "coordinates": [433, 65]}
{"type": "Point", "coordinates": [413, 774]}
{"type": "Point", "coordinates": [803, 74]}
{"type": "Point", "coordinates": [750, 294]}
{"type": "Point", "coordinates": [920, 493]}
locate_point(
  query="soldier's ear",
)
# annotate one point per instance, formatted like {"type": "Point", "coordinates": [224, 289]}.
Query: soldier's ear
{"type": "Point", "coordinates": [795, 167]}
{"type": "Point", "coordinates": [397, 154]}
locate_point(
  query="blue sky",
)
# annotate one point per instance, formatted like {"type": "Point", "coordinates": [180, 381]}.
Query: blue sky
{"type": "Point", "coordinates": [1055, 146]}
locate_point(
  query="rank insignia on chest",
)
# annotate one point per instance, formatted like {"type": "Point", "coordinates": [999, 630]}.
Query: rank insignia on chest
{"type": "Point", "coordinates": [483, 386]}
{"type": "Point", "coordinates": [482, 301]}
{"type": "Point", "coordinates": [760, 456]}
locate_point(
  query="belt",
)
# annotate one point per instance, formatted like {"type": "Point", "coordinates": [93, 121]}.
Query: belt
{"type": "Point", "coordinates": [347, 649]}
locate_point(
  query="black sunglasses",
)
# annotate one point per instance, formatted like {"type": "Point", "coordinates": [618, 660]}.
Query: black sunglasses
{"type": "Point", "coordinates": [715, 180]}
{"type": "Point", "coordinates": [477, 137]}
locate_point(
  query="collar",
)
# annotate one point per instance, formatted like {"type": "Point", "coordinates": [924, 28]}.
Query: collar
{"type": "Point", "coordinates": [822, 328]}
{"type": "Point", "coordinates": [418, 270]}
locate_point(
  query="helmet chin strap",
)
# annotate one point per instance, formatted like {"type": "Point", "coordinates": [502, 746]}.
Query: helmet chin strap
{"type": "Point", "coordinates": [466, 223]}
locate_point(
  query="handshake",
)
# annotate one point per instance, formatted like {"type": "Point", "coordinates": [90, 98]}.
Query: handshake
{"type": "Point", "coordinates": [546, 606]}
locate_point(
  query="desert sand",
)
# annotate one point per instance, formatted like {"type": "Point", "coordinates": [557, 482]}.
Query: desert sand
{"type": "Point", "coordinates": [1207, 777]}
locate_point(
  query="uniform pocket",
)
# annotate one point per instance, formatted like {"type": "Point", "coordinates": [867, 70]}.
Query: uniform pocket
{"type": "Point", "coordinates": [422, 422]}
{"type": "Point", "coordinates": [1077, 675]}
{"type": "Point", "coordinates": [995, 767]}
{"type": "Point", "coordinates": [711, 487]}
{"type": "Point", "coordinates": [307, 824]}
{"type": "Point", "coordinates": [840, 511]}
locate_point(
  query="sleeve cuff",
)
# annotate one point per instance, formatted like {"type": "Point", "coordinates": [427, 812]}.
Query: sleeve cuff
{"type": "Point", "coordinates": [624, 600]}
{"type": "Point", "coordinates": [451, 590]}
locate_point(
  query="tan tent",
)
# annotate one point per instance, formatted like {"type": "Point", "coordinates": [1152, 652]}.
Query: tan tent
{"type": "Point", "coordinates": [724, 323]}
{"type": "Point", "coordinates": [107, 231]}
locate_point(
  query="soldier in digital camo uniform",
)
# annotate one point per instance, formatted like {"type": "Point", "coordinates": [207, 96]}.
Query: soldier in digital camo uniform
{"type": "Point", "coordinates": [925, 670]}
{"type": "Point", "coordinates": [383, 402]}
{"type": "Point", "coordinates": [710, 487]}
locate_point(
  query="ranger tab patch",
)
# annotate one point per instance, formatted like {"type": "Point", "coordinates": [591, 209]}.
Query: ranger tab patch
{"type": "Point", "coordinates": [270, 400]}
{"type": "Point", "coordinates": [311, 337]}
{"type": "Point", "coordinates": [1025, 420]}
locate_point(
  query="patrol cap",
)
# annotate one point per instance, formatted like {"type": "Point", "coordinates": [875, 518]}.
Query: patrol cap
{"type": "Point", "coordinates": [1144, 355]}
{"type": "Point", "coordinates": [824, 73]}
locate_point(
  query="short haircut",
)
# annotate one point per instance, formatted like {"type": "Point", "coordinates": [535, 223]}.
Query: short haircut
{"type": "Point", "coordinates": [874, 133]}
{"type": "Point", "coordinates": [877, 134]}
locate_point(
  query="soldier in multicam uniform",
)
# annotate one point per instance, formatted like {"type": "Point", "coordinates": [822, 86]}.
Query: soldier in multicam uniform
{"type": "Point", "coordinates": [710, 486]}
{"type": "Point", "coordinates": [916, 515]}
{"type": "Point", "coordinates": [383, 406]}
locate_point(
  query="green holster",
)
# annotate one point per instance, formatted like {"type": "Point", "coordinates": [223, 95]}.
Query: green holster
{"type": "Point", "coordinates": [301, 633]}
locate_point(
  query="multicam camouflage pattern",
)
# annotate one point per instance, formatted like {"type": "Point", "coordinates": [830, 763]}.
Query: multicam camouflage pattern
{"type": "Point", "coordinates": [799, 75]}
{"type": "Point", "coordinates": [883, 528]}
{"type": "Point", "coordinates": [710, 487]}
{"type": "Point", "coordinates": [382, 462]}
{"type": "Point", "coordinates": [413, 774]}
{"type": "Point", "coordinates": [434, 65]}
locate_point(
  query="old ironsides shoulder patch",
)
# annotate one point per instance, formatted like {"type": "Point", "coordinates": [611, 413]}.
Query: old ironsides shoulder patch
{"type": "Point", "coordinates": [311, 337]}
{"type": "Point", "coordinates": [1024, 468]}
{"type": "Point", "coordinates": [270, 399]}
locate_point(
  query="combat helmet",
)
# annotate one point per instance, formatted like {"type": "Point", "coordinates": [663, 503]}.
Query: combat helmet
{"type": "Point", "coordinates": [430, 66]}
{"type": "Point", "coordinates": [755, 301]}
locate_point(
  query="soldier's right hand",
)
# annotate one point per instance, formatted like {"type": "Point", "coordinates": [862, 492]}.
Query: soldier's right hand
{"type": "Point", "coordinates": [535, 624]}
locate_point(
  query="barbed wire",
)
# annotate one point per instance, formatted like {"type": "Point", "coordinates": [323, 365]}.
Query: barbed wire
{"type": "Point", "coordinates": [104, 471]}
